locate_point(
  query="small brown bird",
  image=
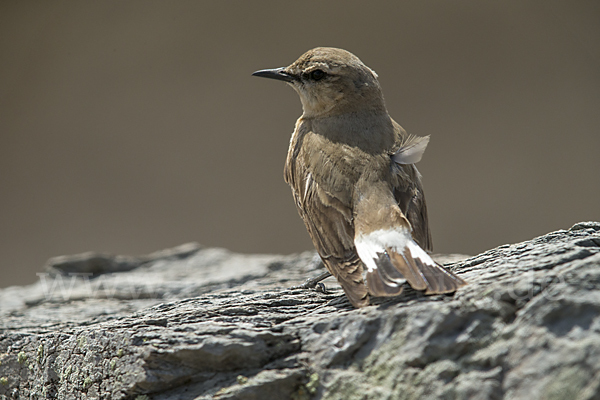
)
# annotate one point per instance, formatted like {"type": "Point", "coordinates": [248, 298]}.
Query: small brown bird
{"type": "Point", "coordinates": [351, 169]}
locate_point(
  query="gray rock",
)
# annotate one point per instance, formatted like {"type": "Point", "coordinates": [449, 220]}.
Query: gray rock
{"type": "Point", "coordinates": [204, 323]}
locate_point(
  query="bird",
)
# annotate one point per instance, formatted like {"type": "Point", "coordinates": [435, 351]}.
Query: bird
{"type": "Point", "coordinates": [351, 170]}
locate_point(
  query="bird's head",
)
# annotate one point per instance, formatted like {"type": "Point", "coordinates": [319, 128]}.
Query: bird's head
{"type": "Point", "coordinates": [331, 81]}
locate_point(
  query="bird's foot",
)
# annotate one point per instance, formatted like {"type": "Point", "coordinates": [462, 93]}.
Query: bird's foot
{"type": "Point", "coordinates": [320, 287]}
{"type": "Point", "coordinates": [311, 283]}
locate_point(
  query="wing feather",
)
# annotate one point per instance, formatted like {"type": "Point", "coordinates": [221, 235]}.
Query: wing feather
{"type": "Point", "coordinates": [329, 224]}
{"type": "Point", "coordinates": [407, 186]}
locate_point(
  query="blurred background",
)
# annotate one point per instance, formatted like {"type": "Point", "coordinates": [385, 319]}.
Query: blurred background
{"type": "Point", "coordinates": [128, 127]}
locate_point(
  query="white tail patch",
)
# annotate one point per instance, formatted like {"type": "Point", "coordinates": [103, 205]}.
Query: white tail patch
{"type": "Point", "coordinates": [412, 151]}
{"type": "Point", "coordinates": [370, 246]}
{"type": "Point", "coordinates": [418, 253]}
{"type": "Point", "coordinates": [392, 257]}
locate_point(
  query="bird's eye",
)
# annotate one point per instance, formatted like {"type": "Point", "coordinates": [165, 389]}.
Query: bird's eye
{"type": "Point", "coordinates": [317, 75]}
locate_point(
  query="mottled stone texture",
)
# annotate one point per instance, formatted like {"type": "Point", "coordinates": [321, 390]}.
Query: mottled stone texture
{"type": "Point", "coordinates": [203, 323]}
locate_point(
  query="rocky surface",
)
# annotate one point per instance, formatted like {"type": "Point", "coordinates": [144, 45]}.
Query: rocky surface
{"type": "Point", "coordinates": [203, 323]}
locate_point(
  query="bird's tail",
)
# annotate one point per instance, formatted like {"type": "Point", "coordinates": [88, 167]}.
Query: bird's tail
{"type": "Point", "coordinates": [392, 257]}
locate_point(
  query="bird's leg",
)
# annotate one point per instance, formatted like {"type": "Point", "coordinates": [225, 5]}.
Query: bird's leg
{"type": "Point", "coordinates": [311, 283]}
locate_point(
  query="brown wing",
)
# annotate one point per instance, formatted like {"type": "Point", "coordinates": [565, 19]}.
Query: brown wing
{"type": "Point", "coordinates": [328, 219]}
{"type": "Point", "coordinates": [411, 200]}
{"type": "Point", "coordinates": [329, 224]}
{"type": "Point", "coordinates": [407, 186]}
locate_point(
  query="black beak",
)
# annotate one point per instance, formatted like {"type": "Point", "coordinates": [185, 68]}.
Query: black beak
{"type": "Point", "coordinates": [276, 73]}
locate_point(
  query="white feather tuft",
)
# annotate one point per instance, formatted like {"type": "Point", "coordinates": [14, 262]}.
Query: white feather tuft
{"type": "Point", "coordinates": [411, 152]}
